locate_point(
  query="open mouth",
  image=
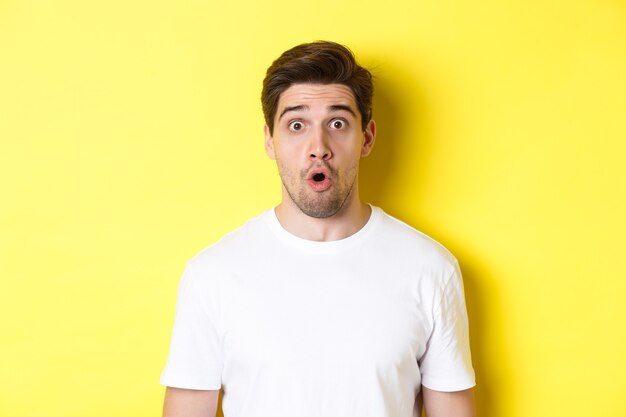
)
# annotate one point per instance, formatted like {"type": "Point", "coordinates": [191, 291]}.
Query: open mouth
{"type": "Point", "coordinates": [319, 180]}
{"type": "Point", "coordinates": [319, 177]}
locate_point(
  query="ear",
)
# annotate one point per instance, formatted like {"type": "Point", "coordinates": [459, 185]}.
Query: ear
{"type": "Point", "coordinates": [269, 143]}
{"type": "Point", "coordinates": [369, 136]}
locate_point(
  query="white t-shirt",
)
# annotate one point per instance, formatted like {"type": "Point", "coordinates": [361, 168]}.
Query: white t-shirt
{"type": "Point", "coordinates": [291, 327]}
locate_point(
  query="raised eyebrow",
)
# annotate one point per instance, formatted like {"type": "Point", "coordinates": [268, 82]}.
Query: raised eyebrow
{"type": "Point", "coordinates": [287, 109]}
{"type": "Point", "coordinates": [339, 107]}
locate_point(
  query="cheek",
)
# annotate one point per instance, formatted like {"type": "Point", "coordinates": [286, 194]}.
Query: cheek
{"type": "Point", "coordinates": [350, 150]}
{"type": "Point", "coordinates": [292, 155]}
{"type": "Point", "coordinates": [285, 170]}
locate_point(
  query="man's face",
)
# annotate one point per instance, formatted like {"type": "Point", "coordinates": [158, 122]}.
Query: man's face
{"type": "Point", "coordinates": [317, 144]}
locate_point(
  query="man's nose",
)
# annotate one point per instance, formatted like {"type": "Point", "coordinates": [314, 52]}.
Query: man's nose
{"type": "Point", "coordinates": [319, 146]}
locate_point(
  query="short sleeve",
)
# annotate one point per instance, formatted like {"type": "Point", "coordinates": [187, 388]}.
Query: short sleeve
{"type": "Point", "coordinates": [446, 364]}
{"type": "Point", "coordinates": [194, 360]}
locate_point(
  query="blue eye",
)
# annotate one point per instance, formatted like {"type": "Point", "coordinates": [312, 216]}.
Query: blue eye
{"type": "Point", "coordinates": [337, 124]}
{"type": "Point", "coordinates": [296, 126]}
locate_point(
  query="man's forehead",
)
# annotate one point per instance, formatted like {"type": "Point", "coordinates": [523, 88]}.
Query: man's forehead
{"type": "Point", "coordinates": [310, 95]}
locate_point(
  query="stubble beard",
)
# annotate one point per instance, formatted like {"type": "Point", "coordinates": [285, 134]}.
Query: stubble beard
{"type": "Point", "coordinates": [322, 204]}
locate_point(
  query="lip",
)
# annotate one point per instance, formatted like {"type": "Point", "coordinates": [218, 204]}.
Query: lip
{"type": "Point", "coordinates": [318, 170]}
{"type": "Point", "coordinates": [319, 186]}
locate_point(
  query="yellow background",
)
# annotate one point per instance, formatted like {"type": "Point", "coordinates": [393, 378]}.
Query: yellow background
{"type": "Point", "coordinates": [131, 137]}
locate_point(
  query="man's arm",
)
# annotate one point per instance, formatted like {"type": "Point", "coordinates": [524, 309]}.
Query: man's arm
{"type": "Point", "coordinates": [449, 404]}
{"type": "Point", "coordinates": [190, 403]}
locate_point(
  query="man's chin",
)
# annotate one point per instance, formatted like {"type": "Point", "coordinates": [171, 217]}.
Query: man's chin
{"type": "Point", "coordinates": [320, 210]}
{"type": "Point", "coordinates": [318, 205]}
{"type": "Point", "coordinates": [320, 215]}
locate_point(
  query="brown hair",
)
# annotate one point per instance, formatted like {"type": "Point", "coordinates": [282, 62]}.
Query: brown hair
{"type": "Point", "coordinates": [319, 62]}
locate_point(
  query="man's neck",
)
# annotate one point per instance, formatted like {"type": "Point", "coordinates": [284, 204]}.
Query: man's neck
{"type": "Point", "coordinates": [346, 222]}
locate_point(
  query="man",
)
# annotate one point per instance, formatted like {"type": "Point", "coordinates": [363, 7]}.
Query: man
{"type": "Point", "coordinates": [323, 306]}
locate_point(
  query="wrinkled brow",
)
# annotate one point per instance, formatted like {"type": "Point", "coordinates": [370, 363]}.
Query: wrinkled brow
{"type": "Point", "coordinates": [332, 108]}
{"type": "Point", "coordinates": [293, 108]}
{"type": "Point", "coordinates": [339, 107]}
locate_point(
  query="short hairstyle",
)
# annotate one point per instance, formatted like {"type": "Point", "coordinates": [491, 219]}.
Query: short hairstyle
{"type": "Point", "coordinates": [319, 62]}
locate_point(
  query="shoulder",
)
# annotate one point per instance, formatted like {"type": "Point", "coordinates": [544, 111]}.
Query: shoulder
{"type": "Point", "coordinates": [407, 242]}
{"type": "Point", "coordinates": [232, 248]}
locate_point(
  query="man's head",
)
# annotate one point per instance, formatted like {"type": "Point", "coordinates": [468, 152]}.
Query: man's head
{"type": "Point", "coordinates": [317, 104]}
{"type": "Point", "coordinates": [318, 62]}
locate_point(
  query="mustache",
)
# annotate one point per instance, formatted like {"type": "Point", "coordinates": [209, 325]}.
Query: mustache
{"type": "Point", "coordinates": [304, 173]}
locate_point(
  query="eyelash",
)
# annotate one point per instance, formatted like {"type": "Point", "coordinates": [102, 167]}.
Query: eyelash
{"type": "Point", "coordinates": [344, 123]}
{"type": "Point", "coordinates": [293, 122]}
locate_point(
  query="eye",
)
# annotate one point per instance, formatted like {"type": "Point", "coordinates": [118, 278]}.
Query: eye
{"type": "Point", "coordinates": [296, 126]}
{"type": "Point", "coordinates": [338, 124]}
